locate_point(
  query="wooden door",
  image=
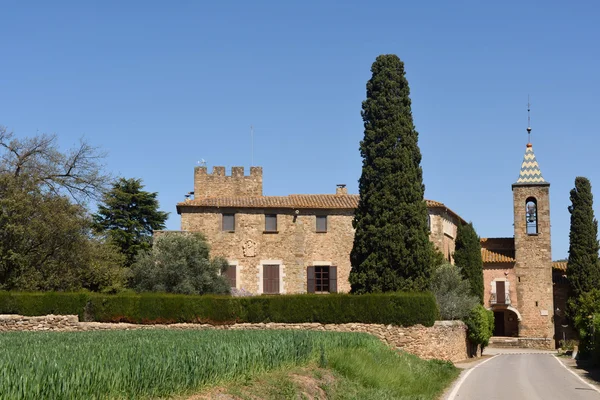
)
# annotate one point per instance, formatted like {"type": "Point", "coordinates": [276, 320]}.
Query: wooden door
{"type": "Point", "coordinates": [499, 323]}
{"type": "Point", "coordinates": [500, 292]}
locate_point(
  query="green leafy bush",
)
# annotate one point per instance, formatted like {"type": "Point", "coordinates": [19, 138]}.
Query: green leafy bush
{"type": "Point", "coordinates": [401, 308]}
{"type": "Point", "coordinates": [452, 292]}
{"type": "Point", "coordinates": [480, 324]}
{"type": "Point", "coordinates": [180, 263]}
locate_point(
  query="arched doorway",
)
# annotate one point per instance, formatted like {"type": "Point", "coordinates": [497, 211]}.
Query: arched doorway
{"type": "Point", "coordinates": [506, 321]}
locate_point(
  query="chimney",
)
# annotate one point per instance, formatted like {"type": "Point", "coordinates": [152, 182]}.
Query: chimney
{"type": "Point", "coordinates": [341, 189]}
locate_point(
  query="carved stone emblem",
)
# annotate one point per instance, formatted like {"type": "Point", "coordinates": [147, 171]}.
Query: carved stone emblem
{"type": "Point", "coordinates": [250, 248]}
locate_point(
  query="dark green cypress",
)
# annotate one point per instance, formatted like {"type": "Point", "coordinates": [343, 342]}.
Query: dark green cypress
{"type": "Point", "coordinates": [583, 268]}
{"type": "Point", "coordinates": [391, 248]}
{"type": "Point", "coordinates": [467, 256]}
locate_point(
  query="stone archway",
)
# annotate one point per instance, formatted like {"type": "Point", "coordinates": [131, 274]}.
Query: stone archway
{"type": "Point", "coordinates": [506, 321]}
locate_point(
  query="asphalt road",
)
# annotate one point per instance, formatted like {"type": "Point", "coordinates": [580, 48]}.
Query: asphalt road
{"type": "Point", "coordinates": [523, 377]}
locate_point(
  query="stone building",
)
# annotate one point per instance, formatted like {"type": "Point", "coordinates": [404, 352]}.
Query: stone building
{"type": "Point", "coordinates": [285, 244]}
{"type": "Point", "coordinates": [302, 243]}
{"type": "Point", "coordinates": [518, 271]}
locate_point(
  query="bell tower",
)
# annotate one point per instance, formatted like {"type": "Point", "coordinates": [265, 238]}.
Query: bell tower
{"type": "Point", "coordinates": [533, 251]}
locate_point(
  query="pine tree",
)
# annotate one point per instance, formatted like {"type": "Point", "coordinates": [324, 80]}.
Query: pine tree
{"type": "Point", "coordinates": [467, 256]}
{"type": "Point", "coordinates": [583, 268]}
{"type": "Point", "coordinates": [128, 216]}
{"type": "Point", "coordinates": [391, 248]}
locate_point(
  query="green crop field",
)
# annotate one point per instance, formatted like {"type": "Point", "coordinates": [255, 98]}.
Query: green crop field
{"type": "Point", "coordinates": [149, 363]}
{"type": "Point", "coordinates": [163, 363]}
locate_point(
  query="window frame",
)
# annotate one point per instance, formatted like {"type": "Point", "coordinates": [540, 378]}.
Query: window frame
{"type": "Point", "coordinates": [322, 217]}
{"type": "Point", "coordinates": [223, 215]}
{"type": "Point", "coordinates": [267, 217]}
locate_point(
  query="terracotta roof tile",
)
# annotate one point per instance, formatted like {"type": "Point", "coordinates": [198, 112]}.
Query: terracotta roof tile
{"type": "Point", "coordinates": [324, 201]}
{"type": "Point", "coordinates": [498, 250]}
{"type": "Point", "coordinates": [560, 265]}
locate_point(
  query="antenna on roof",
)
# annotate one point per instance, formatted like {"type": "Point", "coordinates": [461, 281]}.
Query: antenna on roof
{"type": "Point", "coordinates": [252, 145]}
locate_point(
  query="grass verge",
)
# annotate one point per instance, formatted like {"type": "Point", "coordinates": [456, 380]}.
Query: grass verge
{"type": "Point", "coordinates": [378, 373]}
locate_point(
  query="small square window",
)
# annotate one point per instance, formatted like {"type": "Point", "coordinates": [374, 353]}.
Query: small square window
{"type": "Point", "coordinates": [229, 222]}
{"type": "Point", "coordinates": [321, 223]}
{"type": "Point", "coordinates": [271, 222]}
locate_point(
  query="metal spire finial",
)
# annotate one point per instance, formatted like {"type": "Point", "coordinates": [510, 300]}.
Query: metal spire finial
{"type": "Point", "coordinates": [528, 121]}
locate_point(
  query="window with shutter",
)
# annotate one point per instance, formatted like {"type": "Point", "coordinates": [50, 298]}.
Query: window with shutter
{"type": "Point", "coordinates": [270, 279]}
{"type": "Point", "coordinates": [270, 222]}
{"type": "Point", "coordinates": [322, 279]}
{"type": "Point", "coordinates": [230, 275]}
{"type": "Point", "coordinates": [321, 223]}
{"type": "Point", "coordinates": [229, 222]}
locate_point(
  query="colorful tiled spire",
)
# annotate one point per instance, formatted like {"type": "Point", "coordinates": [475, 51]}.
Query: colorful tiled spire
{"type": "Point", "coordinates": [530, 170]}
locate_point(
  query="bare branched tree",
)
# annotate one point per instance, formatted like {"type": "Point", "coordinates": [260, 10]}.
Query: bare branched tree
{"type": "Point", "coordinates": [78, 173]}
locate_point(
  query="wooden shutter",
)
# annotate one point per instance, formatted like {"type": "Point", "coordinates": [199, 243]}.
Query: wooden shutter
{"type": "Point", "coordinates": [500, 294]}
{"type": "Point", "coordinates": [230, 274]}
{"type": "Point", "coordinates": [310, 275]}
{"type": "Point", "coordinates": [332, 279]}
{"type": "Point", "coordinates": [270, 278]}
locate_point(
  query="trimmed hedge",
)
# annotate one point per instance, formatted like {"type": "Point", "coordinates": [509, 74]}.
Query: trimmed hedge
{"type": "Point", "coordinates": [404, 309]}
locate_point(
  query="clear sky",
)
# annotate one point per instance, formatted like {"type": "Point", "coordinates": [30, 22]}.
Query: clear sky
{"type": "Point", "coordinates": [162, 85]}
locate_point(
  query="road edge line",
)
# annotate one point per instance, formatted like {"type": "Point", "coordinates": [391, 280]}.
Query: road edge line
{"type": "Point", "coordinates": [461, 380]}
{"type": "Point", "coordinates": [576, 374]}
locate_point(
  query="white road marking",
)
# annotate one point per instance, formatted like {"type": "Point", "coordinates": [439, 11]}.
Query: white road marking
{"type": "Point", "coordinates": [577, 375]}
{"type": "Point", "coordinates": [462, 379]}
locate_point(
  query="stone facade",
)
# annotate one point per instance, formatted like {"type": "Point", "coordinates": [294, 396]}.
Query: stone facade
{"type": "Point", "coordinates": [445, 340]}
{"type": "Point", "coordinates": [294, 246]}
{"type": "Point", "coordinates": [533, 266]}
{"type": "Point", "coordinates": [297, 243]}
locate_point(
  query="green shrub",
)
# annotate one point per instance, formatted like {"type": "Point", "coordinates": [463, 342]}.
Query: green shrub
{"type": "Point", "coordinates": [452, 292]}
{"type": "Point", "coordinates": [480, 324]}
{"type": "Point", "coordinates": [404, 309]}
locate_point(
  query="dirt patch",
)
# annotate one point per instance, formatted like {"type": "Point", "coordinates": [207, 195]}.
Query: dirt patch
{"type": "Point", "coordinates": [301, 383]}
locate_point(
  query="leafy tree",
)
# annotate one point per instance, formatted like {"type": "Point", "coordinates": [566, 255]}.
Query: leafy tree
{"type": "Point", "coordinates": [467, 256]}
{"type": "Point", "coordinates": [77, 173]}
{"type": "Point", "coordinates": [106, 271]}
{"type": "Point", "coordinates": [583, 268]}
{"type": "Point", "coordinates": [128, 216]}
{"type": "Point", "coordinates": [480, 326]}
{"type": "Point", "coordinates": [45, 242]}
{"type": "Point", "coordinates": [452, 292]}
{"type": "Point", "coordinates": [391, 248]}
{"type": "Point", "coordinates": [180, 263]}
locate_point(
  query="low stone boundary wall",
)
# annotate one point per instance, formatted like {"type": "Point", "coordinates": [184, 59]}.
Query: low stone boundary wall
{"type": "Point", "coordinates": [446, 340]}
{"type": "Point", "coordinates": [536, 343]}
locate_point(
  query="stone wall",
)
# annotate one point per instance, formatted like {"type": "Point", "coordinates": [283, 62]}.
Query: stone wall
{"type": "Point", "coordinates": [533, 266]}
{"type": "Point", "coordinates": [445, 340]}
{"type": "Point", "coordinates": [442, 231]}
{"type": "Point", "coordinates": [294, 246]}
{"type": "Point", "coordinates": [219, 184]}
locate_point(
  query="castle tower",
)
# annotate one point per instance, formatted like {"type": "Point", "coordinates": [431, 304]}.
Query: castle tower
{"type": "Point", "coordinates": [533, 267]}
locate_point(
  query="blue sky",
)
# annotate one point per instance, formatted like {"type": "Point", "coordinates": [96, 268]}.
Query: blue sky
{"type": "Point", "coordinates": [162, 85]}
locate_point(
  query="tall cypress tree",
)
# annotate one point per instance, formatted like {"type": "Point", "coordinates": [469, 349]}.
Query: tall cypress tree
{"type": "Point", "coordinates": [391, 248]}
{"type": "Point", "coordinates": [583, 268]}
{"type": "Point", "coordinates": [467, 256]}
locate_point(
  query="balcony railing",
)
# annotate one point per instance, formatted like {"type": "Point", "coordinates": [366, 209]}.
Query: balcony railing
{"type": "Point", "coordinates": [494, 299]}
